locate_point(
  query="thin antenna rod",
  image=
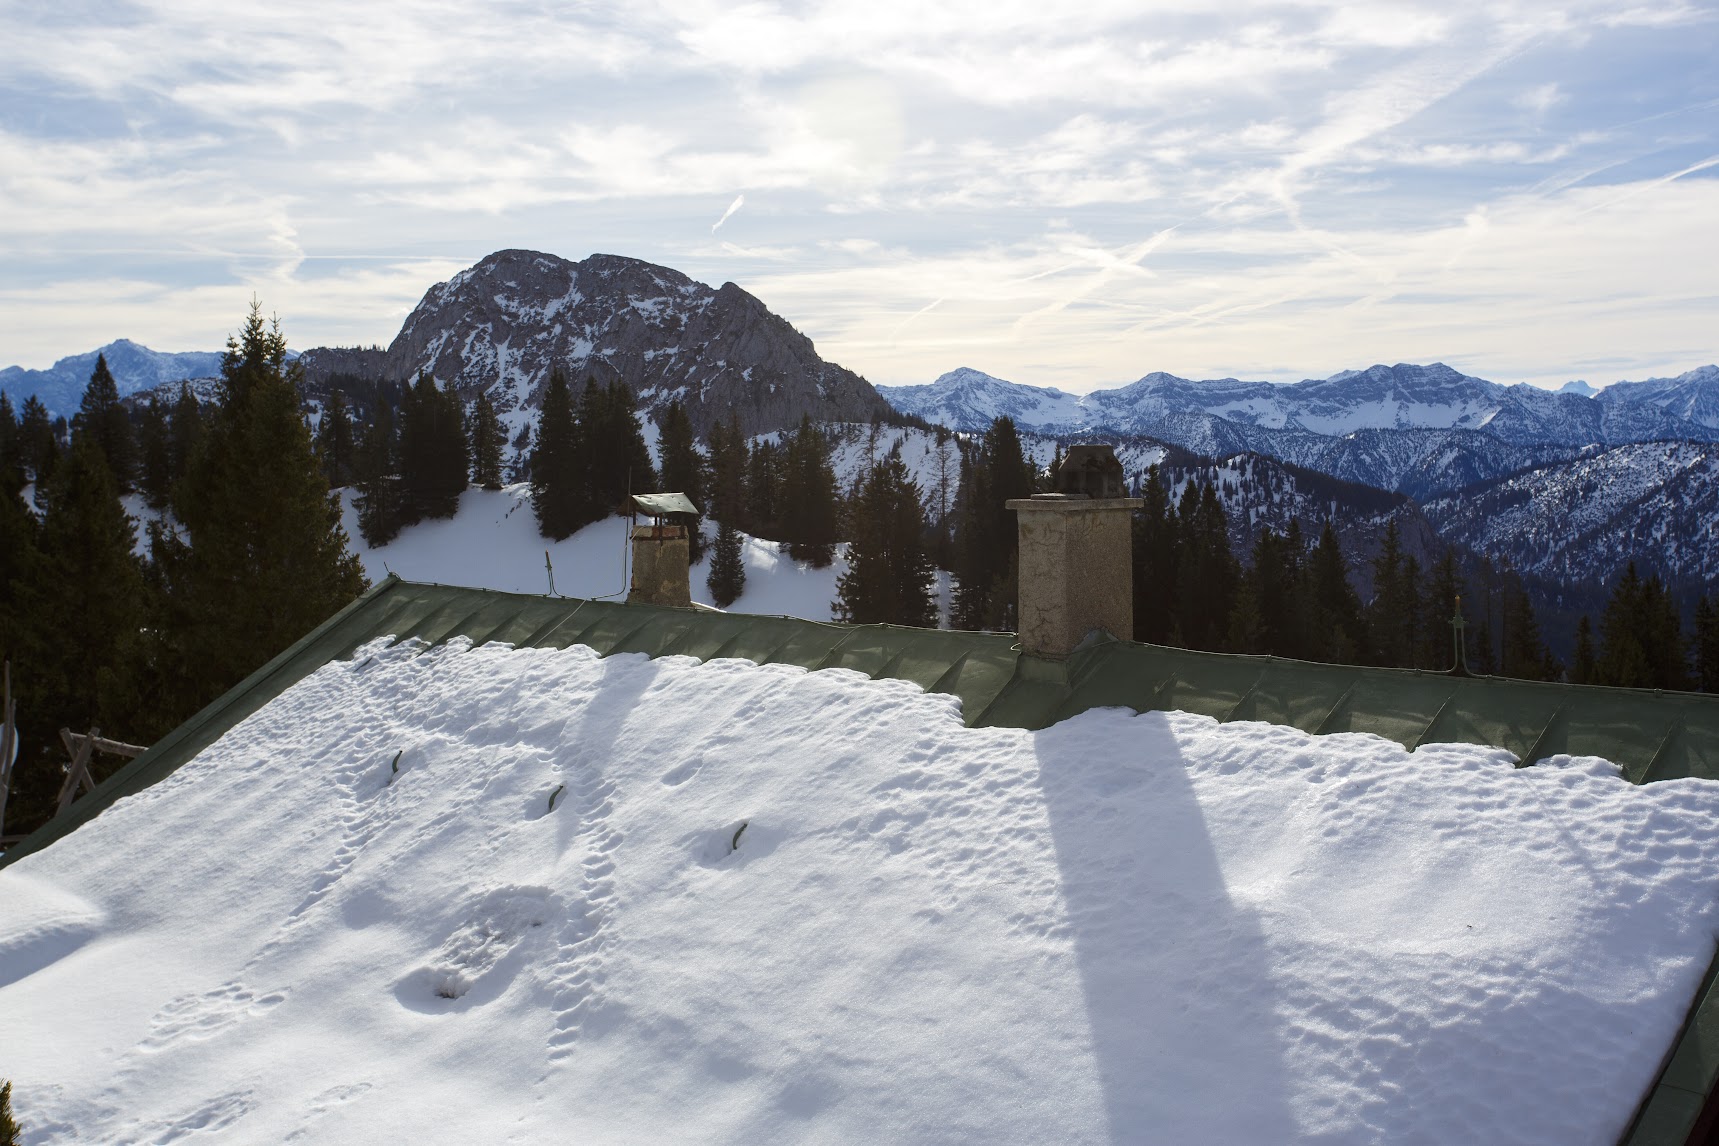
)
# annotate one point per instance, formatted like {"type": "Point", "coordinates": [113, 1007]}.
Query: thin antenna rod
{"type": "Point", "coordinates": [551, 569]}
{"type": "Point", "coordinates": [1459, 661]}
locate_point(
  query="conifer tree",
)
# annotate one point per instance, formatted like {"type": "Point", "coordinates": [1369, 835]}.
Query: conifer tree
{"type": "Point", "coordinates": [683, 471]}
{"type": "Point", "coordinates": [12, 475]}
{"type": "Point", "coordinates": [18, 572]}
{"type": "Point", "coordinates": [11, 1134]}
{"type": "Point", "coordinates": [1522, 654]}
{"type": "Point", "coordinates": [185, 430]}
{"type": "Point", "coordinates": [261, 558]}
{"type": "Point", "coordinates": [376, 479]}
{"type": "Point", "coordinates": [1445, 591]}
{"type": "Point", "coordinates": [1707, 644]}
{"type": "Point", "coordinates": [433, 452]}
{"type": "Point", "coordinates": [1267, 602]}
{"type": "Point", "coordinates": [1584, 665]}
{"type": "Point", "coordinates": [809, 496]}
{"type": "Point", "coordinates": [763, 490]}
{"type": "Point", "coordinates": [889, 577]}
{"type": "Point", "coordinates": [1641, 636]}
{"type": "Point", "coordinates": [104, 422]}
{"type": "Point", "coordinates": [727, 496]}
{"type": "Point", "coordinates": [986, 535]}
{"type": "Point", "coordinates": [335, 445]}
{"type": "Point", "coordinates": [1389, 615]}
{"type": "Point", "coordinates": [1206, 572]}
{"type": "Point", "coordinates": [727, 577]}
{"type": "Point", "coordinates": [1338, 633]}
{"type": "Point", "coordinates": [1155, 550]}
{"type": "Point", "coordinates": [38, 444]}
{"type": "Point", "coordinates": [154, 455]}
{"type": "Point", "coordinates": [488, 439]}
{"type": "Point", "coordinates": [558, 477]}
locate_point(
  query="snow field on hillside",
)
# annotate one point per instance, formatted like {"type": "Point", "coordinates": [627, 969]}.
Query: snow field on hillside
{"type": "Point", "coordinates": [493, 543]}
{"type": "Point", "coordinates": [486, 895]}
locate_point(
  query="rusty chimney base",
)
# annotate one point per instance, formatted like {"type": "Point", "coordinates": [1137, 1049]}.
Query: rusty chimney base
{"type": "Point", "coordinates": [1076, 570]}
{"type": "Point", "coordinates": [660, 567]}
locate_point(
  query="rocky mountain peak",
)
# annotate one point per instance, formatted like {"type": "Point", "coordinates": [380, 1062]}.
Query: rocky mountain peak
{"type": "Point", "coordinates": [504, 323]}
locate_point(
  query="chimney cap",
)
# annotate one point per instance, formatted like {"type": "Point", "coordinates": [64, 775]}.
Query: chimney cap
{"type": "Point", "coordinates": [1091, 470]}
{"type": "Point", "coordinates": [664, 504]}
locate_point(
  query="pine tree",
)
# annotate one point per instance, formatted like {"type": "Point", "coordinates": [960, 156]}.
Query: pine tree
{"type": "Point", "coordinates": [12, 476]}
{"type": "Point", "coordinates": [77, 637]}
{"type": "Point", "coordinates": [154, 455]}
{"type": "Point", "coordinates": [558, 477]}
{"type": "Point", "coordinates": [727, 496]}
{"type": "Point", "coordinates": [1584, 665]}
{"type": "Point", "coordinates": [1445, 591]}
{"type": "Point", "coordinates": [433, 452]}
{"type": "Point", "coordinates": [1338, 634]}
{"type": "Point", "coordinates": [727, 577]}
{"type": "Point", "coordinates": [261, 558]}
{"type": "Point", "coordinates": [1641, 637]}
{"type": "Point", "coordinates": [1523, 654]}
{"type": "Point", "coordinates": [488, 440]}
{"type": "Point", "coordinates": [376, 480]}
{"type": "Point", "coordinates": [335, 446]}
{"type": "Point", "coordinates": [104, 421]}
{"type": "Point", "coordinates": [38, 444]}
{"type": "Point", "coordinates": [889, 577]}
{"type": "Point", "coordinates": [1267, 600]}
{"type": "Point", "coordinates": [186, 430]}
{"type": "Point", "coordinates": [683, 470]}
{"type": "Point", "coordinates": [986, 534]}
{"type": "Point", "coordinates": [763, 490]}
{"type": "Point", "coordinates": [18, 572]}
{"type": "Point", "coordinates": [1707, 644]}
{"type": "Point", "coordinates": [11, 1134]}
{"type": "Point", "coordinates": [1206, 571]}
{"type": "Point", "coordinates": [809, 497]}
{"type": "Point", "coordinates": [1389, 616]}
{"type": "Point", "coordinates": [1154, 554]}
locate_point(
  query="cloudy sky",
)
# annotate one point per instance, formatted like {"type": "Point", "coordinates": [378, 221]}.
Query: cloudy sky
{"type": "Point", "coordinates": [1068, 197]}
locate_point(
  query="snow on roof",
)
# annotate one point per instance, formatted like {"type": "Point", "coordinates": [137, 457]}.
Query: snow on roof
{"type": "Point", "coordinates": [482, 894]}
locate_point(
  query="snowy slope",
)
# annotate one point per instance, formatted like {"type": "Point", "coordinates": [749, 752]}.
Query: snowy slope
{"type": "Point", "coordinates": [493, 543]}
{"type": "Point", "coordinates": [1122, 928]}
{"type": "Point", "coordinates": [1582, 521]}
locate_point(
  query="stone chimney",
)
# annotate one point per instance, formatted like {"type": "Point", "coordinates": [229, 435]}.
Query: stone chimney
{"type": "Point", "coordinates": [661, 573]}
{"type": "Point", "coordinates": [1076, 563]}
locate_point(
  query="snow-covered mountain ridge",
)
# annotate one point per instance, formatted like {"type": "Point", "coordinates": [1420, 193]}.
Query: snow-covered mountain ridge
{"type": "Point", "coordinates": [134, 366]}
{"type": "Point", "coordinates": [1400, 397]}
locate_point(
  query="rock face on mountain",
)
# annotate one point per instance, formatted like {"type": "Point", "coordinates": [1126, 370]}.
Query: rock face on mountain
{"type": "Point", "coordinates": [505, 323]}
{"type": "Point", "coordinates": [1582, 521]}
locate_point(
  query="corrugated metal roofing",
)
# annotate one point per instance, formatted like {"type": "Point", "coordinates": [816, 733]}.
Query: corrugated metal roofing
{"type": "Point", "coordinates": [1653, 735]}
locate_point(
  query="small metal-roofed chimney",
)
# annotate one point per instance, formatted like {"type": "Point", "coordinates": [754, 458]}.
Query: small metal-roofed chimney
{"type": "Point", "coordinates": [1076, 561]}
{"type": "Point", "coordinates": [661, 574]}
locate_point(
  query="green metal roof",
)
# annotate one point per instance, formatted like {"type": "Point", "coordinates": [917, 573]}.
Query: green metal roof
{"type": "Point", "coordinates": [1653, 735]}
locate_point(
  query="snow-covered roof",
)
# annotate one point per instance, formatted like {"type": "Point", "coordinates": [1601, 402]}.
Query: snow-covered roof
{"type": "Point", "coordinates": [489, 879]}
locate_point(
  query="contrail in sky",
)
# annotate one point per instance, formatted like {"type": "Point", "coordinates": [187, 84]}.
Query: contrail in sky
{"type": "Point", "coordinates": [739, 201]}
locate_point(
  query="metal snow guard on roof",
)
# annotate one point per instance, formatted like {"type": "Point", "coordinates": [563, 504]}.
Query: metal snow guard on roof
{"type": "Point", "coordinates": [1653, 735]}
{"type": "Point", "coordinates": [664, 504]}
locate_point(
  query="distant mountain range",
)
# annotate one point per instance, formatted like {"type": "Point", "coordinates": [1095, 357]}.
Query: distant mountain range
{"type": "Point", "coordinates": [135, 367]}
{"type": "Point", "coordinates": [1227, 415]}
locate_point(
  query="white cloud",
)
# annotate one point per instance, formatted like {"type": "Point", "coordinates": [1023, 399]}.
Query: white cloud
{"type": "Point", "coordinates": [1272, 182]}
